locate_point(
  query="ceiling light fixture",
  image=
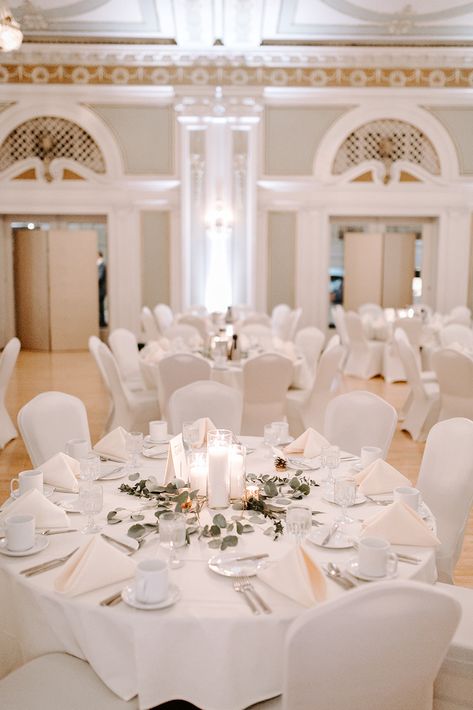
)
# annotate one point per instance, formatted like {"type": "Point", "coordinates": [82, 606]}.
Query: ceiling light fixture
{"type": "Point", "coordinates": [11, 36]}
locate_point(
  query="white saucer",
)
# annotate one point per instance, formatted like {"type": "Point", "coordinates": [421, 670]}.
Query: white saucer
{"type": "Point", "coordinates": [160, 455]}
{"type": "Point", "coordinates": [151, 442]}
{"type": "Point", "coordinates": [305, 464]}
{"type": "Point", "coordinates": [338, 541]}
{"type": "Point", "coordinates": [47, 492]}
{"type": "Point", "coordinates": [41, 542]}
{"type": "Point", "coordinates": [121, 473]}
{"type": "Point", "coordinates": [329, 497]}
{"type": "Point", "coordinates": [128, 596]}
{"type": "Point", "coordinates": [71, 505]}
{"type": "Point", "coordinates": [227, 565]}
{"type": "Point", "coordinates": [352, 568]}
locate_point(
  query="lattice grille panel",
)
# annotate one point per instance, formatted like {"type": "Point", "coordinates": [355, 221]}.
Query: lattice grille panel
{"type": "Point", "coordinates": [49, 137]}
{"type": "Point", "coordinates": [406, 143]}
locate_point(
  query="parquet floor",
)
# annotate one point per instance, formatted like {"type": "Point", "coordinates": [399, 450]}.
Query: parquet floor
{"type": "Point", "coordinates": [76, 374]}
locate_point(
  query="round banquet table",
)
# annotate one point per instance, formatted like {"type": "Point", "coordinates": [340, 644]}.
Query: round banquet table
{"type": "Point", "coordinates": [208, 648]}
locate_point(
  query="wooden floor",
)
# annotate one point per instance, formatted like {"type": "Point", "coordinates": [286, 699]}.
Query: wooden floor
{"type": "Point", "coordinates": [76, 373]}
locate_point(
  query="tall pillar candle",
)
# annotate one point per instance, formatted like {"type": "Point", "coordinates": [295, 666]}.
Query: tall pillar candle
{"type": "Point", "coordinates": [218, 483]}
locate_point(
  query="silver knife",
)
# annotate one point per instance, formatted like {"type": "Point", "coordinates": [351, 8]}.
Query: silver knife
{"type": "Point", "coordinates": [332, 530]}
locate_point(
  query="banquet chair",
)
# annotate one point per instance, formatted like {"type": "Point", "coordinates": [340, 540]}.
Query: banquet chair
{"type": "Point", "coordinates": [456, 333]}
{"type": "Point", "coordinates": [204, 398]}
{"type": "Point", "coordinates": [131, 410]}
{"type": "Point", "coordinates": [454, 372]}
{"type": "Point", "coordinates": [149, 325]}
{"type": "Point", "coordinates": [124, 346]}
{"type": "Point", "coordinates": [332, 342]}
{"type": "Point", "coordinates": [164, 316]}
{"type": "Point", "coordinates": [307, 409]}
{"type": "Point", "coordinates": [372, 310]}
{"type": "Point", "coordinates": [257, 333]}
{"type": "Point", "coordinates": [176, 371]}
{"type": "Point", "coordinates": [293, 324]}
{"type": "Point", "coordinates": [365, 356]}
{"type": "Point", "coordinates": [8, 360]}
{"type": "Point", "coordinates": [48, 421]}
{"type": "Point", "coordinates": [309, 341]}
{"type": "Point", "coordinates": [383, 645]}
{"type": "Point", "coordinates": [197, 322]}
{"type": "Point", "coordinates": [187, 334]}
{"type": "Point", "coordinates": [423, 401]}
{"type": "Point", "coordinates": [393, 370]}
{"type": "Point", "coordinates": [256, 319]}
{"type": "Point", "coordinates": [266, 379]}
{"type": "Point", "coordinates": [338, 314]}
{"type": "Point", "coordinates": [446, 485]}
{"type": "Point", "coordinates": [58, 681]}
{"type": "Point", "coordinates": [360, 418]}
{"type": "Point", "coordinates": [425, 375]}
{"type": "Point", "coordinates": [94, 345]}
{"type": "Point", "coordinates": [280, 320]}
{"type": "Point", "coordinates": [460, 315]}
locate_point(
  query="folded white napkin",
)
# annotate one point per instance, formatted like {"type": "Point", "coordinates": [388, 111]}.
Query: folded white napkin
{"type": "Point", "coordinates": [205, 425]}
{"type": "Point", "coordinates": [47, 515]}
{"type": "Point", "coordinates": [113, 445]}
{"type": "Point", "coordinates": [309, 444]}
{"type": "Point", "coordinates": [62, 471]}
{"type": "Point", "coordinates": [400, 525]}
{"type": "Point", "coordinates": [297, 576]}
{"type": "Point", "coordinates": [380, 477]}
{"type": "Point", "coordinates": [95, 564]}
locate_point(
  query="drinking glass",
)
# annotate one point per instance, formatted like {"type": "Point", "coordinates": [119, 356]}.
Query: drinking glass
{"type": "Point", "coordinates": [298, 521]}
{"type": "Point", "coordinates": [90, 467]}
{"type": "Point", "coordinates": [134, 446]}
{"type": "Point", "coordinates": [270, 436]}
{"type": "Point", "coordinates": [344, 494]}
{"type": "Point", "coordinates": [172, 534]}
{"type": "Point", "coordinates": [330, 459]}
{"type": "Point", "coordinates": [90, 503]}
{"type": "Point", "coordinates": [190, 435]}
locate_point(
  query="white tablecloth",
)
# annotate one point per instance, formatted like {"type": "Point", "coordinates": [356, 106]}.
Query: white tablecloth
{"type": "Point", "coordinates": [208, 648]}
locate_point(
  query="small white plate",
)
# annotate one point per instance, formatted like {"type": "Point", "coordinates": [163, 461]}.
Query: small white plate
{"type": "Point", "coordinates": [338, 541]}
{"type": "Point", "coordinates": [71, 505]}
{"type": "Point", "coordinates": [148, 442]}
{"type": "Point", "coordinates": [47, 491]}
{"type": "Point", "coordinates": [298, 463]}
{"type": "Point", "coordinates": [161, 455]}
{"type": "Point", "coordinates": [329, 497]}
{"type": "Point", "coordinates": [128, 596]}
{"type": "Point", "coordinates": [358, 466]}
{"type": "Point", "coordinates": [352, 568]}
{"type": "Point", "coordinates": [228, 566]}
{"type": "Point", "coordinates": [41, 542]}
{"type": "Point", "coordinates": [119, 471]}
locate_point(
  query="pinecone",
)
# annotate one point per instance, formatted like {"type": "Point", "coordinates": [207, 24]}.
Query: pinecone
{"type": "Point", "coordinates": [280, 464]}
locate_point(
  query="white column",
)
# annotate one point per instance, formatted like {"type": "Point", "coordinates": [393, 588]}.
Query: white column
{"type": "Point", "coordinates": [453, 259]}
{"type": "Point", "coordinates": [260, 288]}
{"type": "Point", "coordinates": [124, 272]}
{"type": "Point", "coordinates": [312, 267]}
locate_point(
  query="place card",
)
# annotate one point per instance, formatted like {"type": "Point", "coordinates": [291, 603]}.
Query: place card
{"type": "Point", "coordinates": [176, 464]}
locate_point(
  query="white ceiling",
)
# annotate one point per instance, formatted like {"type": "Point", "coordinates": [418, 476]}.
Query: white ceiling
{"type": "Point", "coordinates": [247, 23]}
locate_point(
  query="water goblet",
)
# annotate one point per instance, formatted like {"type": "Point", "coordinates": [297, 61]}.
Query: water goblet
{"type": "Point", "coordinates": [90, 504]}
{"type": "Point", "coordinates": [298, 521]}
{"type": "Point", "coordinates": [270, 436]}
{"type": "Point", "coordinates": [344, 495]}
{"type": "Point", "coordinates": [90, 467]}
{"type": "Point", "coordinates": [134, 446]}
{"type": "Point", "coordinates": [330, 459]}
{"type": "Point", "coordinates": [172, 534]}
{"type": "Point", "coordinates": [190, 435]}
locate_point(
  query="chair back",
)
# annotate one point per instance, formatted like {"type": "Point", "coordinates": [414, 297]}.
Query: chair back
{"type": "Point", "coordinates": [280, 318]}
{"type": "Point", "coordinates": [120, 414]}
{"type": "Point", "coordinates": [187, 334]}
{"type": "Point", "coordinates": [293, 325]}
{"type": "Point", "coordinates": [325, 385]}
{"type": "Point", "coordinates": [125, 349]}
{"type": "Point", "coordinates": [446, 484]}
{"type": "Point", "coordinates": [256, 319]}
{"type": "Point", "coordinates": [372, 310]}
{"type": "Point", "coordinates": [309, 341]}
{"type": "Point", "coordinates": [332, 342]}
{"type": "Point", "coordinates": [205, 398]}
{"type": "Point", "coordinates": [397, 654]}
{"type": "Point", "coordinates": [360, 418]}
{"type": "Point", "coordinates": [149, 325]}
{"type": "Point", "coordinates": [258, 333]}
{"type": "Point", "coordinates": [460, 314]}
{"type": "Point", "coordinates": [176, 371]}
{"type": "Point", "coordinates": [164, 316]}
{"type": "Point", "coordinates": [197, 322]}
{"type": "Point", "coordinates": [454, 372]}
{"type": "Point", "coordinates": [266, 379]}
{"type": "Point", "coordinates": [338, 313]}
{"type": "Point", "coordinates": [456, 333]}
{"type": "Point", "coordinates": [354, 329]}
{"type": "Point", "coordinates": [48, 421]}
{"type": "Point", "coordinates": [8, 360]}
{"type": "Point", "coordinates": [409, 361]}
{"type": "Point", "coordinates": [413, 329]}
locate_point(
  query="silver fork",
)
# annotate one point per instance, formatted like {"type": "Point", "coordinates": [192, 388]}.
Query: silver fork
{"type": "Point", "coordinates": [46, 566]}
{"type": "Point", "coordinates": [49, 531]}
{"type": "Point", "coordinates": [376, 501]}
{"type": "Point", "coordinates": [248, 586]}
{"type": "Point", "coordinates": [239, 587]}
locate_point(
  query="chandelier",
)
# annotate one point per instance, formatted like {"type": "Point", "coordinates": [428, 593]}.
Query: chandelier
{"type": "Point", "coordinates": [11, 36]}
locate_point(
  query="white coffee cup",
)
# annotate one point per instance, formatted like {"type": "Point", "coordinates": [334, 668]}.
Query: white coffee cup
{"type": "Point", "coordinates": [20, 532]}
{"type": "Point", "coordinates": [77, 448]}
{"type": "Point", "coordinates": [375, 558]}
{"type": "Point", "coordinates": [409, 496]}
{"type": "Point", "coordinates": [151, 581]}
{"type": "Point", "coordinates": [27, 480]}
{"type": "Point", "coordinates": [282, 429]}
{"type": "Point", "coordinates": [158, 430]}
{"type": "Point", "coordinates": [370, 454]}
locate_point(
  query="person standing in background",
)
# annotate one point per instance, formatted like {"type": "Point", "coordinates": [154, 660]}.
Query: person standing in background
{"type": "Point", "coordinates": [102, 274]}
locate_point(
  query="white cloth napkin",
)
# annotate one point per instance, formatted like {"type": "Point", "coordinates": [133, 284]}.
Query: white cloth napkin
{"type": "Point", "coordinates": [113, 445]}
{"type": "Point", "coordinates": [204, 425]}
{"type": "Point", "coordinates": [380, 477]}
{"type": "Point", "coordinates": [47, 515]}
{"type": "Point", "coordinates": [309, 444]}
{"type": "Point", "coordinates": [62, 471]}
{"type": "Point", "coordinates": [95, 564]}
{"type": "Point", "coordinates": [297, 576]}
{"type": "Point", "coordinates": [400, 525]}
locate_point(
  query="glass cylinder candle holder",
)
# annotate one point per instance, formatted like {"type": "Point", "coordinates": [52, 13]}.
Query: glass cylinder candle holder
{"type": "Point", "coordinates": [198, 471]}
{"type": "Point", "coordinates": [218, 482]}
{"type": "Point", "coordinates": [237, 471]}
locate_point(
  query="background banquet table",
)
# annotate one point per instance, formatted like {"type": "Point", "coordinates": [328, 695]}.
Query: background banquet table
{"type": "Point", "coordinates": [208, 648]}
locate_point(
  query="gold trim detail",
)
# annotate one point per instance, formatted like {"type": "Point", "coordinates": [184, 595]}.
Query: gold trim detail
{"type": "Point", "coordinates": [240, 75]}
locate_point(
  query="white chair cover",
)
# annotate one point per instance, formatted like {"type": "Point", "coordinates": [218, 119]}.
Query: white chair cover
{"type": "Point", "coordinates": [131, 410]}
{"type": "Point", "coordinates": [365, 358]}
{"type": "Point", "coordinates": [372, 310]}
{"type": "Point", "coordinates": [456, 333]}
{"type": "Point", "coordinates": [205, 398]}
{"type": "Point", "coordinates": [332, 342]}
{"type": "Point", "coordinates": [280, 320]}
{"type": "Point", "coordinates": [459, 314]}
{"type": "Point", "coordinates": [424, 400]}
{"type": "Point", "coordinates": [125, 349]}
{"type": "Point", "coordinates": [8, 360]}
{"type": "Point", "coordinates": [266, 379]}
{"type": "Point", "coordinates": [293, 324]}
{"type": "Point", "coordinates": [338, 314]}
{"type": "Point", "coordinates": [309, 341]}
{"type": "Point", "coordinates": [197, 322]}
{"type": "Point", "coordinates": [188, 334]}
{"type": "Point", "coordinates": [258, 333]}
{"type": "Point", "coordinates": [256, 319]}
{"type": "Point", "coordinates": [307, 409]}
{"type": "Point", "coordinates": [175, 371]}
{"type": "Point", "coordinates": [149, 325]}
{"type": "Point", "coordinates": [359, 418]}
{"type": "Point", "coordinates": [455, 377]}
{"type": "Point", "coordinates": [164, 316]}
{"type": "Point", "coordinates": [48, 421]}
{"type": "Point", "coordinates": [446, 484]}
